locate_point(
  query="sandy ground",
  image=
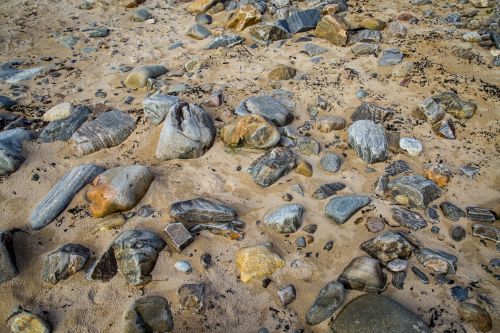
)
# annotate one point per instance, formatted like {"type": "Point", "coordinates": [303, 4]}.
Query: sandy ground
{"type": "Point", "coordinates": [27, 32]}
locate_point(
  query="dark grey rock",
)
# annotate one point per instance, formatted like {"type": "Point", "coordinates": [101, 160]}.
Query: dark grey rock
{"type": "Point", "coordinates": [301, 21]}
{"type": "Point", "coordinates": [397, 167]}
{"type": "Point", "coordinates": [478, 214]}
{"type": "Point", "coordinates": [148, 314]}
{"type": "Point", "coordinates": [199, 210]}
{"type": "Point", "coordinates": [192, 296]}
{"type": "Point", "coordinates": [391, 57]}
{"type": "Point", "coordinates": [413, 191]}
{"type": "Point", "coordinates": [286, 219]}
{"type": "Point", "coordinates": [431, 110]}
{"type": "Point", "coordinates": [203, 19]}
{"type": "Point", "coordinates": [156, 107]}
{"type": "Point", "coordinates": [381, 185]}
{"type": "Point", "coordinates": [264, 33]}
{"type": "Point", "coordinates": [341, 208]}
{"type": "Point", "coordinates": [438, 261]}
{"type": "Point", "coordinates": [457, 233]}
{"type": "Point", "coordinates": [206, 260]}
{"type": "Point", "coordinates": [470, 170]}
{"type": "Point", "coordinates": [327, 190]}
{"type": "Point", "coordinates": [287, 294]}
{"type": "Point", "coordinates": [408, 219]}
{"type": "Point", "coordinates": [301, 242]}
{"type": "Point", "coordinates": [331, 162]}
{"type": "Point", "coordinates": [329, 299]}
{"type": "Point", "coordinates": [104, 268]}
{"type": "Point", "coordinates": [388, 247]}
{"type": "Point", "coordinates": [11, 149]}
{"type": "Point", "coordinates": [432, 213]}
{"type": "Point", "coordinates": [6, 102]}
{"type": "Point", "coordinates": [364, 48]}
{"type": "Point", "coordinates": [224, 41]}
{"type": "Point", "coordinates": [369, 111]}
{"type": "Point", "coordinates": [12, 75]}
{"type": "Point", "coordinates": [365, 36]}
{"type": "Point", "coordinates": [451, 212]}
{"type": "Point", "coordinates": [364, 274]}
{"type": "Point", "coordinates": [8, 268]}
{"type": "Point", "coordinates": [487, 232]}
{"type": "Point", "coordinates": [63, 129]}
{"type": "Point", "coordinates": [459, 293]}
{"type": "Point", "coordinates": [266, 106]}
{"type": "Point", "coordinates": [420, 275]}
{"type": "Point", "coordinates": [369, 141]}
{"type": "Point", "coordinates": [398, 280]}
{"type": "Point", "coordinates": [178, 235]}
{"type": "Point", "coordinates": [397, 265]}
{"type": "Point", "coordinates": [271, 166]}
{"type": "Point", "coordinates": [64, 262]}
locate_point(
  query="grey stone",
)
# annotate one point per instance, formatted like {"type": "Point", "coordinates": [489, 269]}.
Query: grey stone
{"type": "Point", "coordinates": [286, 219]}
{"type": "Point", "coordinates": [388, 247]}
{"type": "Point", "coordinates": [301, 21]}
{"type": "Point", "coordinates": [64, 262]}
{"type": "Point", "coordinates": [68, 41]}
{"type": "Point", "coordinates": [192, 296]}
{"type": "Point", "coordinates": [157, 106]}
{"type": "Point", "coordinates": [381, 185]}
{"type": "Point", "coordinates": [179, 235]}
{"type": "Point", "coordinates": [397, 167]}
{"type": "Point", "coordinates": [63, 129]}
{"type": "Point", "coordinates": [329, 299]}
{"type": "Point", "coordinates": [411, 146]}
{"type": "Point", "coordinates": [369, 111]}
{"type": "Point", "coordinates": [445, 129]}
{"type": "Point", "coordinates": [11, 149]}
{"type": "Point", "coordinates": [397, 265]}
{"type": "Point", "coordinates": [224, 41]}
{"type": "Point", "coordinates": [198, 31]}
{"type": "Point", "coordinates": [431, 110]}
{"type": "Point", "coordinates": [413, 191]}
{"type": "Point", "coordinates": [327, 190]}
{"type": "Point", "coordinates": [365, 36]}
{"type": "Point", "coordinates": [6, 102]}
{"type": "Point", "coordinates": [99, 33]}
{"type": "Point", "coordinates": [396, 29]}
{"type": "Point", "coordinates": [459, 293]}
{"type": "Point", "coordinates": [313, 50]}
{"type": "Point", "coordinates": [148, 314]}
{"type": "Point", "coordinates": [451, 212]}
{"type": "Point", "coordinates": [268, 107]}
{"type": "Point", "coordinates": [287, 294]}
{"type": "Point", "coordinates": [470, 170]}
{"type": "Point", "coordinates": [203, 19]}
{"type": "Point", "coordinates": [487, 232]}
{"type": "Point", "coordinates": [391, 57]}
{"type": "Point", "coordinates": [438, 261]}
{"type": "Point", "coordinates": [452, 104]}
{"type": "Point", "coordinates": [341, 208]}
{"type": "Point", "coordinates": [457, 233]}
{"type": "Point", "coordinates": [408, 219]}
{"type": "Point", "coordinates": [8, 268]}
{"type": "Point", "coordinates": [141, 15]}
{"type": "Point", "coordinates": [271, 166]}
{"type": "Point", "coordinates": [140, 76]}
{"type": "Point", "coordinates": [364, 274]}
{"type": "Point", "coordinates": [331, 162]}
{"type": "Point", "coordinates": [264, 33]}
{"type": "Point", "coordinates": [12, 75]}
{"type": "Point", "coordinates": [398, 280]}
{"type": "Point", "coordinates": [369, 141]}
{"type": "Point", "coordinates": [420, 275]}
{"type": "Point", "coordinates": [362, 48]}
{"type": "Point", "coordinates": [478, 214]}
{"type": "Point", "coordinates": [199, 210]}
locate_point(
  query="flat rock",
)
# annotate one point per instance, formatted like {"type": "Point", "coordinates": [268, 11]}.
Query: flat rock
{"type": "Point", "coordinates": [451, 211]}
{"type": "Point", "coordinates": [286, 219]}
{"type": "Point", "coordinates": [487, 232]}
{"type": "Point", "coordinates": [63, 129]}
{"type": "Point", "coordinates": [413, 191]}
{"type": "Point", "coordinates": [301, 21]}
{"type": "Point", "coordinates": [179, 236]}
{"type": "Point", "coordinates": [265, 33]}
{"type": "Point", "coordinates": [266, 106]}
{"type": "Point", "coordinates": [408, 219]}
{"type": "Point", "coordinates": [430, 110]}
{"type": "Point", "coordinates": [287, 294]}
{"type": "Point", "coordinates": [11, 149]}
{"type": "Point", "coordinates": [373, 112]}
{"type": "Point", "coordinates": [251, 131]}
{"type": "Point", "coordinates": [341, 208]}
{"type": "Point", "coordinates": [478, 214]}
{"type": "Point", "coordinates": [326, 124]}
{"type": "Point", "coordinates": [64, 262]}
{"type": "Point", "coordinates": [138, 77]}
{"type": "Point", "coordinates": [391, 57]}
{"type": "Point", "coordinates": [192, 296]}
{"type": "Point", "coordinates": [397, 167]}
{"type": "Point", "coordinates": [365, 36]}
{"type": "Point", "coordinates": [331, 162]}
{"type": "Point", "coordinates": [475, 315]}
{"type": "Point", "coordinates": [157, 106]}
{"type": "Point", "coordinates": [198, 31]}
{"type": "Point", "coordinates": [388, 247]}
{"type": "Point", "coordinates": [438, 261]}
{"type": "Point", "coordinates": [8, 268]}
{"type": "Point", "coordinates": [226, 41]}
{"type": "Point", "coordinates": [364, 274]}
{"type": "Point", "coordinates": [368, 140]}
{"type": "Point", "coordinates": [148, 314]}
{"type": "Point", "coordinates": [327, 190]}
{"type": "Point", "coordinates": [313, 50]}
{"type": "Point", "coordinates": [364, 48]}
{"type": "Point", "coordinates": [13, 75]}
{"type": "Point", "coordinates": [200, 210]}
{"type": "Point", "coordinates": [329, 299]}
{"type": "Point", "coordinates": [257, 261]}
{"type": "Point", "coordinates": [271, 166]}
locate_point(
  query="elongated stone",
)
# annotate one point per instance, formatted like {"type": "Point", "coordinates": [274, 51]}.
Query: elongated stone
{"type": "Point", "coordinates": [413, 191]}
{"type": "Point", "coordinates": [192, 296]}
{"type": "Point", "coordinates": [388, 247]}
{"type": "Point", "coordinates": [478, 214]}
{"type": "Point", "coordinates": [329, 299]}
{"type": "Point", "coordinates": [11, 149]}
{"type": "Point", "coordinates": [341, 208]}
{"type": "Point", "coordinates": [451, 211]}
{"type": "Point", "coordinates": [438, 261]}
{"type": "Point", "coordinates": [226, 41]}
{"type": "Point", "coordinates": [266, 106]}
{"type": "Point", "coordinates": [64, 262]}
{"type": "Point", "coordinates": [188, 132]}
{"type": "Point", "coordinates": [138, 78]}
{"type": "Point", "coordinates": [327, 190]}
{"type": "Point", "coordinates": [252, 131]}
{"type": "Point", "coordinates": [373, 112]}
{"type": "Point", "coordinates": [364, 274]}
{"type": "Point", "coordinates": [331, 162]}
{"type": "Point", "coordinates": [109, 129]}
{"type": "Point", "coordinates": [408, 219]}
{"type": "Point", "coordinates": [257, 261]}
{"type": "Point", "coordinates": [8, 268]}
{"type": "Point", "coordinates": [63, 129]}
{"type": "Point", "coordinates": [285, 219]}
{"type": "Point", "coordinates": [369, 141]}
{"type": "Point", "coordinates": [420, 275]}
{"type": "Point", "coordinates": [62, 193]}
{"type": "Point", "coordinates": [156, 107]}
{"type": "Point", "coordinates": [475, 315]}
{"type": "Point", "coordinates": [453, 105]}
{"type": "Point", "coordinates": [487, 232]}
{"type": "Point", "coordinates": [271, 166]}
{"type": "Point", "coordinates": [200, 210]}
{"type": "Point", "coordinates": [148, 314]}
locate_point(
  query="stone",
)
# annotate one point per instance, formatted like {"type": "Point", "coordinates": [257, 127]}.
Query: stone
{"type": "Point", "coordinates": [203, 19]}
{"type": "Point", "coordinates": [472, 37]}
{"type": "Point", "coordinates": [63, 129]}
{"type": "Point", "coordinates": [265, 33]}
{"type": "Point", "coordinates": [408, 219]}
{"type": "Point", "coordinates": [301, 21]}
{"type": "Point", "coordinates": [64, 262]}
{"type": "Point", "coordinates": [391, 57]}
{"type": "Point", "coordinates": [375, 224]}
{"type": "Point", "coordinates": [445, 129]}
{"type": "Point", "coordinates": [286, 294]}
{"type": "Point", "coordinates": [214, 100]}
{"type": "Point", "coordinates": [364, 274]}
{"type": "Point", "coordinates": [397, 167]}
{"type": "Point", "coordinates": [198, 31]}
{"type": "Point", "coordinates": [329, 299]}
{"type": "Point", "coordinates": [413, 191]}
{"type": "Point", "coordinates": [397, 265]}
{"type": "Point", "coordinates": [108, 130]}
{"type": "Point", "coordinates": [457, 233]}
{"type": "Point", "coordinates": [334, 29]}
{"type": "Point", "coordinates": [480, 3]}
{"type": "Point", "coordinates": [369, 111]}
{"type": "Point", "coordinates": [326, 124]}
{"type": "Point", "coordinates": [157, 106]}
{"type": "Point", "coordinates": [368, 140]}
{"type": "Point", "coordinates": [397, 29]}
{"type": "Point", "coordinates": [452, 104]}
{"type": "Point", "coordinates": [178, 235]}
{"type": "Point", "coordinates": [200, 6]}
{"type": "Point", "coordinates": [188, 132]}
{"type": "Point", "coordinates": [252, 131]}
{"type": "Point", "coordinates": [362, 48]}
{"type": "Point", "coordinates": [138, 77]}
{"type": "Point", "coordinates": [487, 232]}
{"type": "Point", "coordinates": [271, 166]}
{"type": "Point", "coordinates": [381, 185]}
{"type": "Point", "coordinates": [313, 50]}
{"type": "Point", "coordinates": [61, 194]}
{"type": "Point", "coordinates": [183, 266]}
{"type": "Point", "coordinates": [459, 293]}
{"type": "Point", "coordinates": [341, 208]}
{"type": "Point", "coordinates": [60, 111]}
{"type": "Point", "coordinates": [257, 261]}
{"type": "Point", "coordinates": [365, 36]}
{"type": "Point", "coordinates": [439, 173]}
{"type": "Point", "coordinates": [476, 316]}
{"type": "Point", "coordinates": [377, 313]}
{"type": "Point", "coordinates": [206, 260]}
{"type": "Point", "coordinates": [470, 170]}
{"type": "Point", "coordinates": [307, 146]}
{"type": "Point", "coordinates": [192, 296]}
{"type": "Point", "coordinates": [148, 314]}
{"type": "Point", "coordinates": [246, 16]}
{"type": "Point", "coordinates": [478, 214]}
{"type": "Point", "coordinates": [99, 33]}
{"type": "Point", "coordinates": [420, 275]}
{"type": "Point", "coordinates": [411, 146]}
{"type": "Point", "coordinates": [388, 247]}
{"type": "Point", "coordinates": [118, 189]}
{"type": "Point", "coordinates": [8, 268]}
{"type": "Point", "coordinates": [104, 268]}
{"type": "Point", "coordinates": [282, 73]}
{"type": "Point", "coordinates": [141, 15]}
{"type": "Point", "coordinates": [437, 261]}
{"type": "Point", "coordinates": [27, 322]}
{"type": "Point", "coordinates": [398, 280]}
{"type": "Point", "coordinates": [11, 149]}
{"type": "Point", "coordinates": [331, 162]}
{"type": "Point", "coordinates": [403, 69]}
{"type": "Point", "coordinates": [301, 242]}
{"type": "Point", "coordinates": [11, 74]}
{"type": "Point", "coordinates": [200, 210]}
{"type": "Point", "coordinates": [266, 106]}
{"type": "Point", "coordinates": [6, 102]}
{"type": "Point", "coordinates": [111, 222]}
{"type": "Point", "coordinates": [451, 211]}
{"type": "Point", "coordinates": [372, 24]}
{"type": "Point", "coordinates": [327, 190]}
{"type": "Point", "coordinates": [225, 41]}
{"type": "Point", "coordinates": [286, 219]}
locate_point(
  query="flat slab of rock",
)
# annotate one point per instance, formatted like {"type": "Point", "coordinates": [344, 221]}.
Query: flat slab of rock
{"type": "Point", "coordinates": [329, 299]}
{"type": "Point", "coordinates": [200, 210]}
{"type": "Point", "coordinates": [109, 129]}
{"type": "Point", "coordinates": [478, 214]}
{"type": "Point", "coordinates": [408, 219]}
{"type": "Point", "coordinates": [227, 41]}
{"type": "Point", "coordinates": [341, 208]}
{"type": "Point", "coordinates": [8, 268]}
{"type": "Point", "coordinates": [365, 36]}
{"type": "Point", "coordinates": [11, 149]}
{"type": "Point", "coordinates": [148, 314]}
{"type": "Point", "coordinates": [369, 141]}
{"type": "Point", "coordinates": [271, 166]}
{"type": "Point", "coordinates": [192, 296]}
{"type": "Point", "coordinates": [286, 219]}
{"type": "Point", "coordinates": [327, 190]}
{"type": "Point", "coordinates": [438, 261]}
{"type": "Point", "coordinates": [64, 262]}
{"type": "Point", "coordinates": [157, 106]}
{"type": "Point", "coordinates": [257, 261]}
{"type": "Point", "coordinates": [388, 247]}
{"type": "Point", "coordinates": [188, 132]}
{"type": "Point", "coordinates": [62, 193]}
{"type": "Point", "coordinates": [487, 232]}
{"type": "Point", "coordinates": [266, 106]}
{"type": "Point", "coordinates": [179, 236]}
{"type": "Point", "coordinates": [364, 274]}
{"type": "Point", "coordinates": [301, 21]}
{"type": "Point", "coordinates": [413, 191]}
{"type": "Point", "coordinates": [252, 131]}
{"type": "Point", "coordinates": [63, 129]}
{"type": "Point", "coordinates": [391, 57]}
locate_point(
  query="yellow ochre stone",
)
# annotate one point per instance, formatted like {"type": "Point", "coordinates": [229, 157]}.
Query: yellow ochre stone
{"type": "Point", "coordinates": [257, 261]}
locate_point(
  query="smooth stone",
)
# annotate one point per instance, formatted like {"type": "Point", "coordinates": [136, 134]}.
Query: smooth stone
{"type": "Point", "coordinates": [148, 314]}
{"type": "Point", "coordinates": [391, 57]}
{"type": "Point", "coordinates": [267, 106]}
{"type": "Point", "coordinates": [459, 293]}
{"type": "Point", "coordinates": [397, 265]}
{"type": "Point", "coordinates": [388, 247]}
{"type": "Point", "coordinates": [203, 19]}
{"type": "Point", "coordinates": [397, 29]}
{"type": "Point", "coordinates": [286, 219]}
{"type": "Point", "coordinates": [11, 149]}
{"type": "Point", "coordinates": [451, 212]}
{"type": "Point", "coordinates": [313, 50]}
{"type": "Point", "coordinates": [282, 73]}
{"type": "Point", "coordinates": [200, 210]}
{"type": "Point", "coordinates": [286, 294]}
{"type": "Point", "coordinates": [404, 69]}
{"type": "Point", "coordinates": [141, 15]}
{"type": "Point", "coordinates": [247, 15]}
{"type": "Point", "coordinates": [304, 168]}
{"type": "Point", "coordinates": [179, 236]}
{"type": "Point", "coordinates": [265, 33]}
{"type": "Point", "coordinates": [408, 219]}
{"type": "Point", "coordinates": [478, 214]}
{"type": "Point", "coordinates": [470, 170]}
{"type": "Point", "coordinates": [326, 124]}
{"type": "Point", "coordinates": [183, 266]}
{"type": "Point", "coordinates": [225, 41]}
{"type": "Point", "coordinates": [364, 274]}
{"type": "Point", "coordinates": [60, 111]}
{"type": "Point", "coordinates": [375, 224]}
{"type": "Point", "coordinates": [373, 112]}
{"type": "Point", "coordinates": [138, 77]}
{"type": "Point", "coordinates": [327, 190]}
{"type": "Point", "coordinates": [192, 296]}
{"type": "Point", "coordinates": [365, 36]}
{"type": "Point", "coordinates": [157, 106]}
{"type": "Point", "coordinates": [452, 104]}
{"type": "Point", "coordinates": [301, 21]}
{"type": "Point", "coordinates": [200, 6]}
{"type": "Point", "coordinates": [368, 140]}
{"type": "Point", "coordinates": [307, 146]}
{"type": "Point", "coordinates": [372, 24]}
{"type": "Point", "coordinates": [8, 268]}
{"type": "Point", "coordinates": [364, 48]}
{"type": "Point", "coordinates": [476, 316]}
{"type": "Point", "coordinates": [334, 29]}
{"type": "Point", "coordinates": [472, 37]}
{"type": "Point", "coordinates": [6, 102]}
{"type": "Point", "coordinates": [271, 166]}
{"type": "Point", "coordinates": [63, 129]}
{"type": "Point", "coordinates": [438, 261]}
{"type": "Point", "coordinates": [252, 131]}
{"type": "Point", "coordinates": [438, 173]}
{"type": "Point", "coordinates": [257, 261]}
{"type": "Point", "coordinates": [329, 299]}
{"type": "Point", "coordinates": [198, 31]}
{"type": "Point", "coordinates": [457, 233]}
{"type": "Point", "coordinates": [188, 132]}
{"type": "Point", "coordinates": [430, 110]}
{"type": "Point", "coordinates": [411, 146]}
{"type": "Point", "coordinates": [27, 322]}
{"type": "Point", "coordinates": [64, 262]}
{"type": "Point", "coordinates": [420, 275]}
{"type": "Point", "coordinates": [432, 213]}
{"type": "Point", "coordinates": [341, 208]}
{"type": "Point", "coordinates": [487, 232]}
{"type": "Point", "coordinates": [331, 162]}
{"type": "Point", "coordinates": [61, 194]}
{"type": "Point", "coordinates": [413, 191]}
{"type": "Point", "coordinates": [397, 167]}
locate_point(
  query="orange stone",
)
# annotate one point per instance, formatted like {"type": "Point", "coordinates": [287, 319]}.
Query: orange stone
{"type": "Point", "coordinates": [246, 16]}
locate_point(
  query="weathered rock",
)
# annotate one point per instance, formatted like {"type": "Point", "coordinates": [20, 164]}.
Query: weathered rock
{"type": "Point", "coordinates": [391, 57]}
{"type": "Point", "coordinates": [138, 78]}
{"type": "Point", "coordinates": [404, 69]}
{"type": "Point", "coordinates": [266, 106]}
{"type": "Point", "coordinates": [111, 222]}
{"type": "Point", "coordinates": [327, 190]}
{"type": "Point", "coordinates": [329, 299]}
{"type": "Point", "coordinates": [63, 129]}
{"type": "Point", "coordinates": [282, 73]}
{"type": "Point", "coordinates": [192, 296]}
{"type": "Point", "coordinates": [104, 268]}
{"type": "Point", "coordinates": [179, 236]}
{"type": "Point", "coordinates": [199, 210]}
{"type": "Point", "coordinates": [362, 48]}
{"type": "Point", "coordinates": [365, 36]}
{"type": "Point", "coordinates": [377, 313]}
{"type": "Point", "coordinates": [413, 191]}
{"type": "Point", "coordinates": [478, 214]}
{"type": "Point", "coordinates": [313, 50]}
{"type": "Point", "coordinates": [265, 33]}
{"type": "Point", "coordinates": [411, 146]}
{"type": "Point", "coordinates": [200, 6]}
{"type": "Point", "coordinates": [148, 314]}
{"type": "Point", "coordinates": [397, 29]}
{"type": "Point", "coordinates": [369, 111]}
{"type": "Point", "coordinates": [304, 168]}
{"type": "Point", "coordinates": [141, 15]}
{"type": "Point", "coordinates": [157, 106]}
{"type": "Point", "coordinates": [438, 261]}
{"type": "Point", "coordinates": [286, 219]}
{"type": "Point", "coordinates": [451, 212]}
{"type": "Point", "coordinates": [301, 21]}
{"type": "Point", "coordinates": [445, 129]}
{"type": "Point", "coordinates": [431, 111]}
{"type": "Point", "coordinates": [252, 131]}
{"type": "Point", "coordinates": [246, 16]}
{"type": "Point", "coordinates": [487, 232]}
{"type": "Point", "coordinates": [286, 294]}
{"type": "Point", "coordinates": [6, 102]}
{"type": "Point", "coordinates": [381, 185]}
{"type": "Point", "coordinates": [62, 193]}
{"type": "Point", "coordinates": [8, 268]}
{"type": "Point", "coordinates": [475, 315]}
{"type": "Point", "coordinates": [271, 166]}
{"type": "Point", "coordinates": [420, 275]}
{"type": "Point", "coordinates": [60, 111]}
{"type": "Point", "coordinates": [388, 247]}
{"type": "Point", "coordinates": [375, 224]}
{"type": "Point", "coordinates": [226, 41]}
{"type": "Point", "coordinates": [364, 274]}
{"type": "Point", "coordinates": [27, 322]}
{"type": "Point", "coordinates": [452, 104]}
{"type": "Point", "coordinates": [326, 124]}
{"type": "Point", "coordinates": [64, 262]}
{"type": "Point", "coordinates": [397, 167]}
{"type": "Point", "coordinates": [188, 132]}
{"type": "Point", "coordinates": [334, 29]}
{"type": "Point", "coordinates": [9, 73]}
{"type": "Point", "coordinates": [438, 173]}
{"type": "Point", "coordinates": [372, 24]}
{"type": "Point", "coordinates": [331, 162]}
{"type": "Point", "coordinates": [341, 208]}
{"type": "Point", "coordinates": [368, 140]}
{"type": "Point", "coordinates": [408, 219]}
{"type": "Point", "coordinates": [397, 265]}
{"type": "Point", "coordinates": [398, 279]}
{"type": "Point", "coordinates": [11, 149]}
{"type": "Point", "coordinates": [257, 261]}
{"type": "Point", "coordinates": [307, 146]}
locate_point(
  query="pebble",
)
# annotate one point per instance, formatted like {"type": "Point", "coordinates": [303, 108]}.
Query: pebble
{"type": "Point", "coordinates": [141, 15]}
{"type": "Point", "coordinates": [200, 210]}
{"type": "Point", "coordinates": [206, 260]}
{"type": "Point", "coordinates": [413, 191]}
{"type": "Point", "coordinates": [373, 112]}
{"type": "Point", "coordinates": [375, 224]}
{"type": "Point", "coordinates": [397, 167]}
{"type": "Point", "coordinates": [152, 312]}
{"type": "Point", "coordinates": [244, 17]}
{"type": "Point", "coordinates": [327, 190]}
{"type": "Point", "coordinates": [341, 208]}
{"type": "Point", "coordinates": [329, 299]}
{"type": "Point", "coordinates": [478, 214]}
{"type": "Point", "coordinates": [192, 296]}
{"type": "Point", "coordinates": [391, 57]}
{"type": "Point", "coordinates": [287, 294]}
{"type": "Point", "coordinates": [408, 219]}
{"type": "Point", "coordinates": [198, 31]}
{"type": "Point", "coordinates": [266, 106]}
{"type": "Point", "coordinates": [271, 166]}
{"type": "Point", "coordinates": [362, 48]}
{"type": "Point", "coordinates": [331, 162]}
{"type": "Point", "coordinates": [179, 236]}
{"type": "Point", "coordinates": [457, 233]}
{"type": "Point", "coordinates": [334, 29]}
{"type": "Point", "coordinates": [438, 261]}
{"type": "Point", "coordinates": [11, 149]}
{"type": "Point", "coordinates": [326, 124]}
{"type": "Point", "coordinates": [138, 77]}
{"type": "Point", "coordinates": [183, 266]}
{"type": "Point", "coordinates": [27, 322]}
{"type": "Point", "coordinates": [60, 111]}
{"type": "Point", "coordinates": [364, 274]}
{"type": "Point", "coordinates": [438, 173]}
{"type": "Point", "coordinates": [301, 21]}
{"type": "Point", "coordinates": [257, 261]}
{"type": "Point", "coordinates": [475, 315]}
{"type": "Point", "coordinates": [459, 293]}
{"type": "Point", "coordinates": [388, 247]}
{"type": "Point", "coordinates": [64, 128]}
{"type": "Point", "coordinates": [487, 232]}
{"type": "Point", "coordinates": [285, 219]}
{"type": "Point", "coordinates": [411, 146]}
{"type": "Point", "coordinates": [203, 19]}
{"type": "Point", "coordinates": [420, 275]}
{"type": "Point", "coordinates": [451, 212]}
{"type": "Point", "coordinates": [64, 262]}
{"type": "Point", "coordinates": [397, 265]}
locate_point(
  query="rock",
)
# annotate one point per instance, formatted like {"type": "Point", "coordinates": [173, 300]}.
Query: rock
{"type": "Point", "coordinates": [8, 268]}
{"type": "Point", "coordinates": [307, 146]}
{"type": "Point", "coordinates": [391, 57]}
{"type": "Point", "coordinates": [179, 235]}
{"type": "Point", "coordinates": [118, 189]}
{"type": "Point", "coordinates": [191, 296]}
{"type": "Point", "coordinates": [381, 185]}
{"type": "Point", "coordinates": [286, 219]}
{"type": "Point", "coordinates": [104, 268]}
{"type": "Point", "coordinates": [445, 129]}
{"type": "Point", "coordinates": [313, 50]}
{"type": "Point", "coordinates": [439, 262]}
{"type": "Point", "coordinates": [183, 266]}
{"type": "Point", "coordinates": [451, 212]}
{"type": "Point", "coordinates": [480, 3]}
{"type": "Point", "coordinates": [301, 21]}
{"type": "Point", "coordinates": [396, 29]}
{"type": "Point", "coordinates": [364, 48]}
{"type": "Point", "coordinates": [138, 78]}
{"type": "Point", "coordinates": [334, 29]}
{"type": "Point", "coordinates": [375, 224]}
{"type": "Point", "coordinates": [10, 74]}
{"type": "Point", "coordinates": [246, 16]}
{"type": "Point", "coordinates": [470, 170]}
{"type": "Point", "coordinates": [304, 168]}
{"type": "Point", "coordinates": [413, 191]}
{"type": "Point", "coordinates": [200, 6]}
{"type": "Point", "coordinates": [99, 33]}
{"type": "Point", "coordinates": [372, 24]}
{"type": "Point", "coordinates": [148, 314]}
{"type": "Point", "coordinates": [331, 162]}
{"type": "Point", "coordinates": [265, 33]}
{"type": "Point", "coordinates": [214, 100]}
{"type": "Point", "coordinates": [156, 107]}
{"type": "Point", "coordinates": [472, 37]}
{"type": "Point", "coordinates": [487, 232]}
{"type": "Point", "coordinates": [398, 280]}
{"type": "Point", "coordinates": [271, 166]}
{"type": "Point", "coordinates": [198, 31]}
{"type": "Point", "coordinates": [62, 193]}
{"type": "Point", "coordinates": [457, 233]}
{"type": "Point", "coordinates": [329, 299]}
{"type": "Point", "coordinates": [252, 131]}
{"type": "Point", "coordinates": [397, 265]}
{"type": "Point", "coordinates": [439, 173]}
{"type": "Point", "coordinates": [364, 274]}
{"type": "Point", "coordinates": [206, 260]}
{"type": "Point", "coordinates": [341, 208]}
{"type": "Point", "coordinates": [478, 214]}
{"type": "Point", "coordinates": [397, 167]}
{"type": "Point", "coordinates": [27, 322]}
{"type": "Point", "coordinates": [257, 261]}
{"type": "Point", "coordinates": [459, 293]}
{"type": "Point", "coordinates": [411, 146]}
{"type": "Point", "coordinates": [365, 36]}
{"type": "Point", "coordinates": [282, 73]}
{"type": "Point", "coordinates": [301, 242]}
{"type": "Point", "coordinates": [141, 15]}
{"type": "Point", "coordinates": [286, 294]}
{"type": "Point", "coordinates": [408, 219]}
{"type": "Point", "coordinates": [476, 316]}
{"type": "Point", "coordinates": [188, 132]}
{"type": "Point", "coordinates": [388, 247]}
{"type": "Point", "coordinates": [6, 102]}
{"type": "Point", "coordinates": [63, 129]}
{"type": "Point", "coordinates": [420, 275]}
{"type": "Point", "coordinates": [368, 140]}
{"type": "Point", "coordinates": [11, 149]}
{"type": "Point", "coordinates": [452, 104]}
{"type": "Point", "coordinates": [60, 111]}
{"type": "Point", "coordinates": [403, 69]}
{"type": "Point", "coordinates": [326, 124]}
{"type": "Point", "coordinates": [369, 111]}
{"type": "Point", "coordinates": [327, 190]}
{"type": "Point", "coordinates": [64, 262]}
{"type": "Point", "coordinates": [112, 222]}
{"type": "Point", "coordinates": [109, 129]}
{"type": "Point", "coordinates": [377, 313]}
{"type": "Point", "coordinates": [201, 210]}
{"type": "Point", "coordinates": [266, 106]}
{"type": "Point", "coordinates": [226, 41]}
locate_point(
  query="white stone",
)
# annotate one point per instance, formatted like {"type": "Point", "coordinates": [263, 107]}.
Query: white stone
{"type": "Point", "coordinates": [60, 111]}
{"type": "Point", "coordinates": [411, 145]}
{"type": "Point", "coordinates": [472, 37]}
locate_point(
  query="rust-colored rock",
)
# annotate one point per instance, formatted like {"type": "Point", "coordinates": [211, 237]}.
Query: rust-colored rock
{"type": "Point", "coordinates": [334, 29]}
{"type": "Point", "coordinates": [257, 261]}
{"type": "Point", "coordinates": [438, 173]}
{"type": "Point", "coordinates": [200, 6]}
{"type": "Point", "coordinates": [252, 131]}
{"type": "Point", "coordinates": [246, 16]}
{"type": "Point", "coordinates": [304, 168]}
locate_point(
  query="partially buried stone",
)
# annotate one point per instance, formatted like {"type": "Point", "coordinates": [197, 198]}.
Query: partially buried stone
{"type": "Point", "coordinates": [141, 15]}
{"type": "Point", "coordinates": [148, 314]}
{"type": "Point", "coordinates": [8, 268]}
{"type": "Point", "coordinates": [266, 106]}
{"type": "Point", "coordinates": [397, 265]}
{"type": "Point", "coordinates": [329, 299]}
{"type": "Point", "coordinates": [286, 294]}
{"type": "Point", "coordinates": [179, 235]}
{"type": "Point", "coordinates": [364, 48]}
{"type": "Point", "coordinates": [157, 106]}
{"type": "Point", "coordinates": [397, 29]}
{"type": "Point", "coordinates": [459, 293]}
{"type": "Point", "coordinates": [368, 140]}
{"type": "Point", "coordinates": [364, 274]}
{"type": "Point", "coordinates": [257, 261]}
{"type": "Point", "coordinates": [265, 33]}
{"type": "Point", "coordinates": [63, 129]}
{"type": "Point", "coordinates": [198, 31]}
{"type": "Point", "coordinates": [203, 19]}
{"type": "Point", "coordinates": [285, 219]}
{"type": "Point", "coordinates": [313, 50]}
{"type": "Point", "coordinates": [192, 296]}
{"type": "Point", "coordinates": [253, 131]}
{"type": "Point", "coordinates": [26, 322]}
{"type": "Point", "coordinates": [438, 173]}
{"type": "Point", "coordinates": [59, 111]}
{"type": "Point", "coordinates": [6, 102]}
{"type": "Point", "coordinates": [183, 266]}
{"type": "Point", "coordinates": [375, 224]}
{"type": "Point", "coordinates": [381, 185]}
{"type": "Point", "coordinates": [138, 78]}
{"type": "Point", "coordinates": [11, 149]}
{"type": "Point", "coordinates": [282, 72]}
{"type": "Point", "coordinates": [227, 41]}
{"type": "Point", "coordinates": [438, 261]}
{"type": "Point", "coordinates": [64, 262]}
{"type": "Point", "coordinates": [451, 211]}
{"type": "Point", "coordinates": [111, 222]}
{"type": "Point", "coordinates": [341, 208]}
{"type": "Point", "coordinates": [478, 214]}
{"type": "Point", "coordinates": [104, 268]}
{"type": "Point", "coordinates": [301, 21]}
{"type": "Point", "coordinates": [331, 162]}
{"type": "Point", "coordinates": [200, 210]}
{"type": "Point", "coordinates": [475, 315]}
{"type": "Point", "coordinates": [365, 36]}
{"type": "Point", "coordinates": [334, 29]}
{"type": "Point", "coordinates": [307, 146]}
{"type": "Point", "coordinates": [420, 275]}
{"type": "Point", "coordinates": [453, 105]}
{"type": "Point", "coordinates": [408, 219]}
{"type": "Point", "coordinates": [244, 17]}
{"type": "Point", "coordinates": [470, 170]}
{"type": "Point", "coordinates": [487, 232]}
{"type": "Point", "coordinates": [413, 191]}
{"type": "Point", "coordinates": [388, 247]}
{"type": "Point", "coordinates": [411, 146]}
{"type": "Point", "coordinates": [390, 57]}
{"type": "Point", "coordinates": [327, 190]}
{"type": "Point", "coordinates": [373, 112]}
{"type": "Point", "coordinates": [304, 168]}
{"type": "Point", "coordinates": [397, 167]}
{"type": "Point", "coordinates": [326, 124]}
{"type": "Point", "coordinates": [200, 6]}
{"type": "Point", "coordinates": [271, 166]}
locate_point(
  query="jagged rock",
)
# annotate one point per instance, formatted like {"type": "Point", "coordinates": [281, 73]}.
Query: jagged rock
{"type": "Point", "coordinates": [59, 111]}
{"type": "Point", "coordinates": [397, 167]}
{"type": "Point", "coordinates": [390, 57]}
{"type": "Point", "coordinates": [63, 129]}
{"type": "Point", "coordinates": [8, 268]}
{"type": "Point", "coordinates": [11, 149]}
{"type": "Point", "coordinates": [365, 36]}
{"type": "Point", "coordinates": [411, 146]}
{"type": "Point", "coordinates": [62, 193]}
{"type": "Point", "coordinates": [224, 41]}
{"type": "Point", "coordinates": [364, 274]}
{"type": "Point", "coordinates": [413, 191]}
{"type": "Point", "coordinates": [452, 104]}
{"type": "Point", "coordinates": [375, 224]}
{"type": "Point", "coordinates": [27, 322]}
{"type": "Point", "coordinates": [334, 29]}
{"type": "Point", "coordinates": [445, 129]}
{"type": "Point", "coordinates": [271, 166]}
{"type": "Point", "coordinates": [265, 33]}
{"type": "Point", "coordinates": [478, 214]}
{"type": "Point", "coordinates": [201, 210]}
{"type": "Point", "coordinates": [327, 190]}
{"type": "Point", "coordinates": [148, 314]}
{"type": "Point", "coordinates": [368, 140]}
{"type": "Point", "coordinates": [246, 16]}
{"type": "Point", "coordinates": [266, 106]}
{"type": "Point", "coordinates": [64, 262]}
{"type": "Point", "coordinates": [192, 296]}
{"type": "Point", "coordinates": [198, 31]}
{"type": "Point", "coordinates": [408, 219]}
{"type": "Point", "coordinates": [252, 131]}
{"type": "Point", "coordinates": [180, 237]}
{"type": "Point", "coordinates": [331, 162]}
{"type": "Point", "coordinates": [188, 132]}
{"type": "Point", "coordinates": [431, 111]}
{"type": "Point", "coordinates": [257, 261]}
{"type": "Point", "coordinates": [438, 173]}
{"type": "Point", "coordinates": [109, 129]}
{"type": "Point", "coordinates": [329, 299]}
{"type": "Point", "coordinates": [301, 21]}
{"type": "Point", "coordinates": [438, 261]}
{"type": "Point", "coordinates": [388, 247]}
{"type": "Point", "coordinates": [104, 268]}
{"type": "Point", "coordinates": [403, 69]}
{"type": "Point", "coordinates": [487, 232]}
{"type": "Point", "coordinates": [369, 111]}
{"type": "Point", "coordinates": [156, 107]}
{"type": "Point", "coordinates": [341, 208]}
{"type": "Point", "coordinates": [451, 212]}
{"type": "Point", "coordinates": [475, 315]}
{"type": "Point", "coordinates": [287, 294]}
{"type": "Point", "coordinates": [304, 168]}
{"type": "Point", "coordinates": [138, 78]}
{"type": "Point", "coordinates": [326, 124]}
{"type": "Point", "coordinates": [286, 219]}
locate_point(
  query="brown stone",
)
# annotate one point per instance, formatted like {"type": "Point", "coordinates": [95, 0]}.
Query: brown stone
{"type": "Point", "coordinates": [245, 16]}
{"type": "Point", "coordinates": [334, 29]}
{"type": "Point", "coordinates": [304, 168]}
{"type": "Point", "coordinates": [330, 9]}
{"type": "Point", "coordinates": [475, 315]}
{"type": "Point", "coordinates": [252, 131]}
{"type": "Point", "coordinates": [200, 6]}
{"type": "Point", "coordinates": [282, 73]}
{"type": "Point", "coordinates": [326, 124]}
{"type": "Point", "coordinates": [372, 24]}
{"type": "Point", "coordinates": [257, 261]}
{"type": "Point", "coordinates": [438, 173]}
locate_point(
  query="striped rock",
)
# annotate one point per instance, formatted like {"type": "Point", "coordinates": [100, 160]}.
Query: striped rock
{"type": "Point", "coordinates": [11, 149]}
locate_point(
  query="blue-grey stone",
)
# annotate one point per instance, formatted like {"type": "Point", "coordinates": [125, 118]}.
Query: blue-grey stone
{"type": "Point", "coordinates": [331, 162]}
{"type": "Point", "coordinates": [267, 106]}
{"type": "Point", "coordinates": [451, 211]}
{"type": "Point", "coordinates": [10, 74]}
{"type": "Point", "coordinates": [11, 149]}
{"type": "Point", "coordinates": [459, 293]}
{"type": "Point", "coordinates": [156, 107]}
{"type": "Point", "coordinates": [301, 21]}
{"type": "Point", "coordinates": [99, 33]}
{"type": "Point", "coordinates": [327, 190]}
{"type": "Point", "coordinates": [224, 41]}
{"type": "Point", "coordinates": [63, 129]}
{"type": "Point", "coordinates": [329, 299]}
{"type": "Point", "coordinates": [341, 208]}
{"type": "Point", "coordinates": [286, 219]}
{"type": "Point", "coordinates": [391, 57]}
{"type": "Point", "coordinates": [6, 102]}
{"type": "Point", "coordinates": [64, 262]}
